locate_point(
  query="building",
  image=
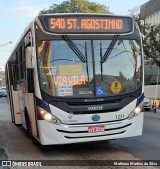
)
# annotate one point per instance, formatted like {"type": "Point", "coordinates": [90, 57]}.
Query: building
{"type": "Point", "coordinates": [150, 13]}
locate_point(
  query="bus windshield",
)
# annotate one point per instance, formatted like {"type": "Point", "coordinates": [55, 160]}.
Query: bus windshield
{"type": "Point", "coordinates": [89, 68]}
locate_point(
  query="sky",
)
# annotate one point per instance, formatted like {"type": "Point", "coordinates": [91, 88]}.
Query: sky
{"type": "Point", "coordinates": [15, 15]}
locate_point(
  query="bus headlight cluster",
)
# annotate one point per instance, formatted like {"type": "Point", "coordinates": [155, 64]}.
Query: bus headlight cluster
{"type": "Point", "coordinates": [136, 111]}
{"type": "Point", "coordinates": [48, 116]}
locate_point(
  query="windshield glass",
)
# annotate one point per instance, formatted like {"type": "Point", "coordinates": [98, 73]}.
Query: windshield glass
{"type": "Point", "coordinates": [64, 73]}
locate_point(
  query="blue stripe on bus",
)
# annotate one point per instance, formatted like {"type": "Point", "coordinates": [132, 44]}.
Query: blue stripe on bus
{"type": "Point", "coordinates": [40, 103]}
{"type": "Point", "coordinates": [140, 99]}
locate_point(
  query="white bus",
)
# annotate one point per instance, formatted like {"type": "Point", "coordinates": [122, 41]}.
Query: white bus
{"type": "Point", "coordinates": [77, 78]}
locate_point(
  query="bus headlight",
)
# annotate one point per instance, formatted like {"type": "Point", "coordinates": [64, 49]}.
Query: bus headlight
{"type": "Point", "coordinates": [48, 116]}
{"type": "Point", "coordinates": [136, 111]}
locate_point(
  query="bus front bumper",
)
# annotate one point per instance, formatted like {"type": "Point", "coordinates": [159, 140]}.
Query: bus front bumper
{"type": "Point", "coordinates": [50, 134]}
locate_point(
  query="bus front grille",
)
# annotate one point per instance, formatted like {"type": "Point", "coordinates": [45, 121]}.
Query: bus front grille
{"type": "Point", "coordinates": [93, 112]}
{"type": "Point", "coordinates": [75, 134]}
{"type": "Point", "coordinates": [95, 136]}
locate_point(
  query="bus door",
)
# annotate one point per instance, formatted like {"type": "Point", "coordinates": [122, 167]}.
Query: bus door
{"type": "Point", "coordinates": [27, 87]}
{"type": "Point", "coordinates": [22, 81]}
{"type": "Point", "coordinates": [13, 92]}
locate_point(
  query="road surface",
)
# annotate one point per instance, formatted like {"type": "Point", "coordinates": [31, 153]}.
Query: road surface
{"type": "Point", "coordinates": [16, 145]}
{"type": "Point", "coordinates": [147, 146]}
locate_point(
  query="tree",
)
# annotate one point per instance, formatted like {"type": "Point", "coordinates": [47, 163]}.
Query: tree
{"type": "Point", "coordinates": [151, 38]}
{"type": "Point", "coordinates": [76, 6]}
{"type": "Point", "coordinates": [135, 13]}
{"type": "Point", "coordinates": [151, 45]}
{"type": "Point", "coordinates": [147, 79]}
{"type": "Point", "coordinates": [2, 78]}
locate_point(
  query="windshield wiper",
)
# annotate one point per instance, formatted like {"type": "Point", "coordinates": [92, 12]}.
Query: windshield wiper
{"type": "Point", "coordinates": [74, 48]}
{"type": "Point", "coordinates": [101, 61]}
{"type": "Point", "coordinates": [109, 49]}
{"type": "Point", "coordinates": [86, 54]}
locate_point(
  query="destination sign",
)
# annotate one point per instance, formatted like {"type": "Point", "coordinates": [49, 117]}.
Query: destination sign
{"type": "Point", "coordinates": [88, 24]}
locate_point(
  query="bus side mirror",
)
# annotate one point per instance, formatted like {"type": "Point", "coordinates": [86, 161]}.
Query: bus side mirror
{"type": "Point", "coordinates": [28, 40]}
{"type": "Point", "coordinates": [29, 58]}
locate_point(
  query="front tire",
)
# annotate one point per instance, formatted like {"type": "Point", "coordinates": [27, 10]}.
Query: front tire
{"type": "Point", "coordinates": [35, 142]}
{"type": "Point", "coordinates": [28, 124]}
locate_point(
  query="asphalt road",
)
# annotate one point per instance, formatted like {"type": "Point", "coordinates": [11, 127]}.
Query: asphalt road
{"type": "Point", "coordinates": [147, 146]}
{"type": "Point", "coordinates": [3, 100]}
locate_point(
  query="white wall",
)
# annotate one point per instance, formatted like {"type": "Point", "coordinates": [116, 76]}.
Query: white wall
{"type": "Point", "coordinates": [153, 19]}
{"type": "Point", "coordinates": [149, 91]}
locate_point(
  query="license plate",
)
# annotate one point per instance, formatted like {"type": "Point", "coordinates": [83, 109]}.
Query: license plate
{"type": "Point", "coordinates": [94, 129]}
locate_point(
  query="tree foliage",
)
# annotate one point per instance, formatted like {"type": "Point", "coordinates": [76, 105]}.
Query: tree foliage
{"type": "Point", "coordinates": [151, 38]}
{"type": "Point", "coordinates": [135, 13]}
{"type": "Point", "coordinates": [76, 6]}
{"type": "Point", "coordinates": [147, 80]}
{"type": "Point", "coordinates": [151, 43]}
{"type": "Point", "coordinates": [2, 78]}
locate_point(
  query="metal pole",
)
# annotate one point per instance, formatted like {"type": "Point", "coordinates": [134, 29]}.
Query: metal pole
{"type": "Point", "coordinates": [156, 86]}
{"type": "Point", "coordinates": [6, 43]}
{"type": "Point", "coordinates": [157, 83]}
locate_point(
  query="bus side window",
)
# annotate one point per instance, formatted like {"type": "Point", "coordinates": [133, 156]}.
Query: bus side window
{"type": "Point", "coordinates": [17, 66]}
{"type": "Point", "coordinates": [14, 76]}
{"type": "Point", "coordinates": [22, 61]}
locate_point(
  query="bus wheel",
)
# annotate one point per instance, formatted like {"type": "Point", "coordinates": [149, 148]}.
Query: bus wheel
{"type": "Point", "coordinates": [28, 124]}
{"type": "Point", "coordinates": [35, 142]}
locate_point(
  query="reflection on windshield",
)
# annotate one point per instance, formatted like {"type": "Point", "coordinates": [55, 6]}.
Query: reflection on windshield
{"type": "Point", "coordinates": [121, 73]}
{"type": "Point", "coordinates": [62, 72]}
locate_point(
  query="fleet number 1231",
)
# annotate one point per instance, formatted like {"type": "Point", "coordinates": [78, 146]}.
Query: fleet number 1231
{"type": "Point", "coordinates": [120, 116]}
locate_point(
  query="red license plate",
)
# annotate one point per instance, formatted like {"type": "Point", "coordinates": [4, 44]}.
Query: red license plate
{"type": "Point", "coordinates": [94, 129]}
